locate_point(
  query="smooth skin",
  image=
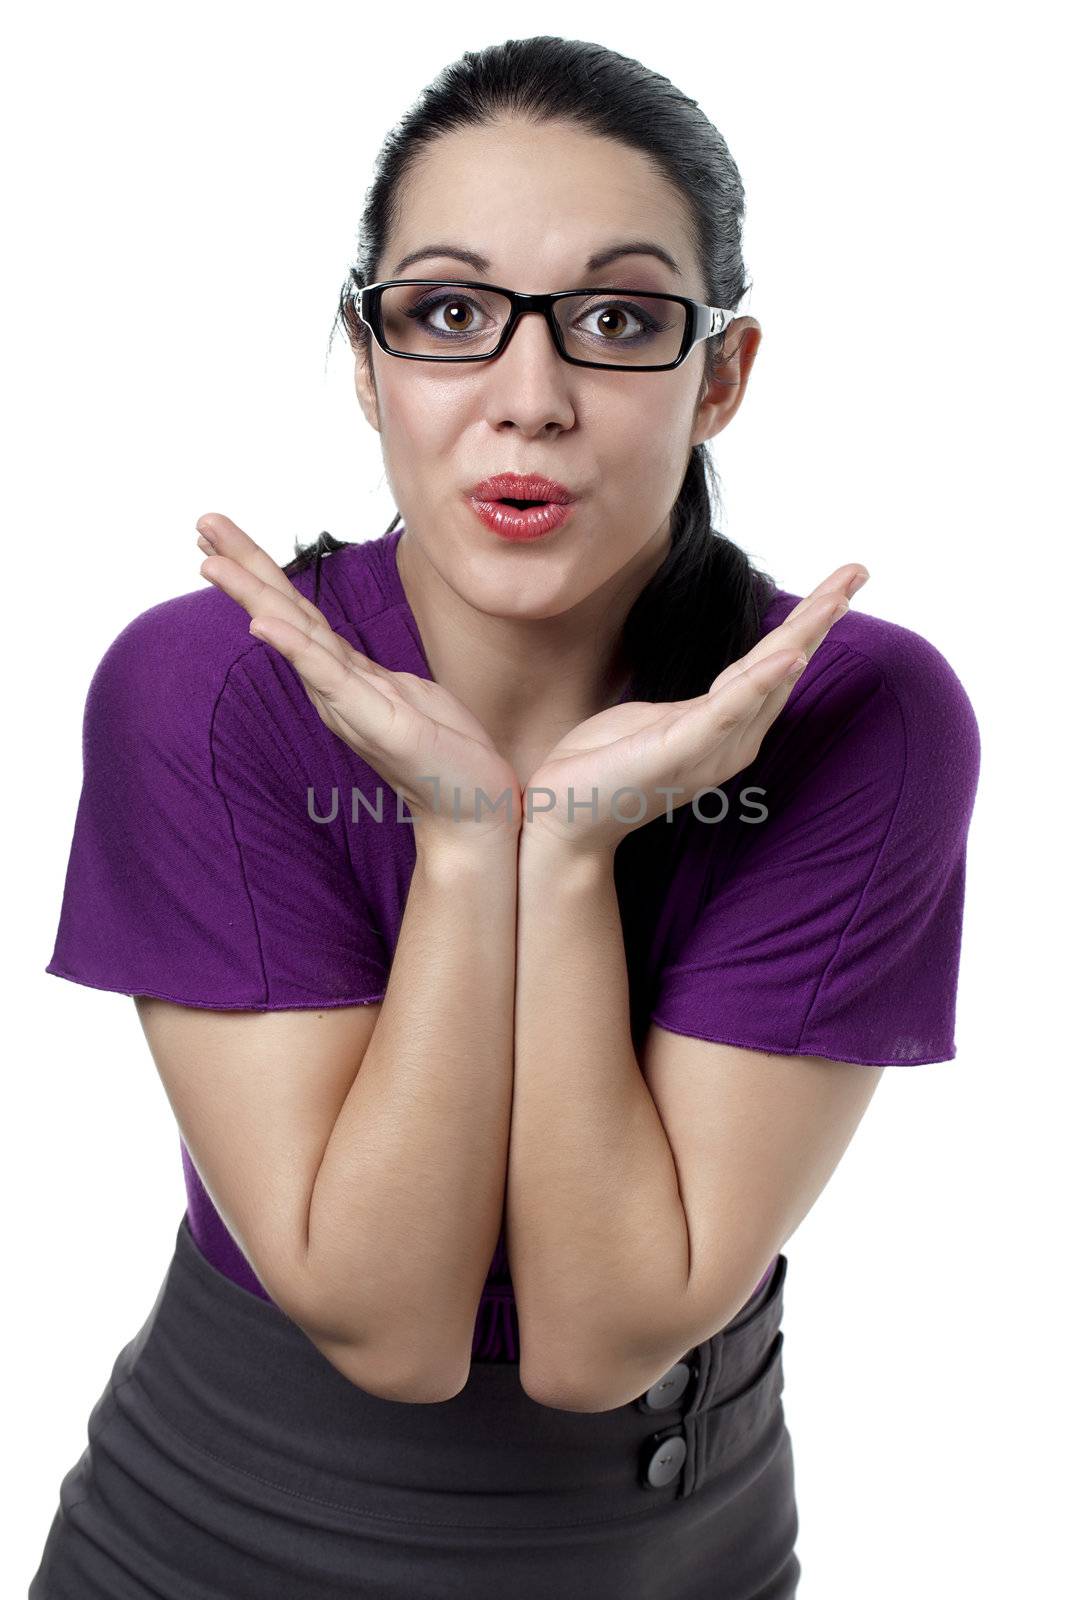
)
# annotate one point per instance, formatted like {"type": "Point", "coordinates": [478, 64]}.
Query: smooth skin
{"type": "Point", "coordinates": [643, 1199]}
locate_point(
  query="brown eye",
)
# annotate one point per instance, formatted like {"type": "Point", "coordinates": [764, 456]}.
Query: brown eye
{"type": "Point", "coordinates": [450, 314]}
{"type": "Point", "coordinates": [605, 319]}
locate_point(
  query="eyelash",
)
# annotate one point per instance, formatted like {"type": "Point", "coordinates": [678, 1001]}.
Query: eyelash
{"type": "Point", "coordinates": [423, 308]}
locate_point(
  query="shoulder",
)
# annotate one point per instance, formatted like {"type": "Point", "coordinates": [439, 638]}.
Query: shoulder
{"type": "Point", "coordinates": [185, 660]}
{"type": "Point", "coordinates": [891, 681]}
{"type": "Point", "coordinates": [188, 643]}
{"type": "Point", "coordinates": [157, 693]}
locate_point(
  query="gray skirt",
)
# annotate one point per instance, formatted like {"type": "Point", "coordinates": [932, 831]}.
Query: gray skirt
{"type": "Point", "coordinates": [227, 1458]}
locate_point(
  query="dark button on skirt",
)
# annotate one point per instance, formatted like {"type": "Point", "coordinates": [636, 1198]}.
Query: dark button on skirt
{"type": "Point", "coordinates": [227, 1458]}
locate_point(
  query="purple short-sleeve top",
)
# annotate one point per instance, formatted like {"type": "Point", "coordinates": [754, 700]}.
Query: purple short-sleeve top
{"type": "Point", "coordinates": [813, 905]}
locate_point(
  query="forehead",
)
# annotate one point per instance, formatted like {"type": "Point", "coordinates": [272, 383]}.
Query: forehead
{"type": "Point", "coordinates": [544, 195]}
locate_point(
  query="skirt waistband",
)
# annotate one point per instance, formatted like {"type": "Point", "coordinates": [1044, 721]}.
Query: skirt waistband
{"type": "Point", "coordinates": [224, 1384]}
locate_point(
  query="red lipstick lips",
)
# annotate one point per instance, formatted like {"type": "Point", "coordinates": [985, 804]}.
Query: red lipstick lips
{"type": "Point", "coordinates": [542, 504]}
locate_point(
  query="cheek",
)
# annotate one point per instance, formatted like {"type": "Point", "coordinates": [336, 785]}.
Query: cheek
{"type": "Point", "coordinates": [419, 429]}
{"type": "Point", "coordinates": [640, 468]}
{"type": "Point", "coordinates": [647, 426]}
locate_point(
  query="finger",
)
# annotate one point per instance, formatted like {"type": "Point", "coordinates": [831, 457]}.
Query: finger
{"type": "Point", "coordinates": [815, 610]}
{"type": "Point", "coordinates": [803, 629]}
{"type": "Point", "coordinates": [776, 698]}
{"type": "Point", "coordinates": [262, 599]}
{"type": "Point", "coordinates": [348, 693]}
{"type": "Point", "coordinates": [735, 705]}
{"type": "Point", "coordinates": [779, 685]}
{"type": "Point", "coordinates": [227, 539]}
{"type": "Point", "coordinates": [781, 690]}
{"type": "Point", "coordinates": [844, 583]}
{"type": "Point", "coordinates": [239, 547]}
{"type": "Point", "coordinates": [847, 580]}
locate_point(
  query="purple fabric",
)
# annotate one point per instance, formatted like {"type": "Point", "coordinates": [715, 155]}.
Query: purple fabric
{"type": "Point", "coordinates": [831, 926]}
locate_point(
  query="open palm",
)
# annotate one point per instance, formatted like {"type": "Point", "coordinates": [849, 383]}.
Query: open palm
{"type": "Point", "coordinates": [636, 760]}
{"type": "Point", "coordinates": [425, 743]}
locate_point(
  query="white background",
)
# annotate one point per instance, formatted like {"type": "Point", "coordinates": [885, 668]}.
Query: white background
{"type": "Point", "coordinates": [182, 189]}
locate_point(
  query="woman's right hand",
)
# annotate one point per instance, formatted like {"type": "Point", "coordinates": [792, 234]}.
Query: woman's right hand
{"type": "Point", "coordinates": [417, 736]}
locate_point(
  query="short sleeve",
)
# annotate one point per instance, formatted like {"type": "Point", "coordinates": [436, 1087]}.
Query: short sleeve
{"type": "Point", "coordinates": [196, 872]}
{"type": "Point", "coordinates": [837, 929]}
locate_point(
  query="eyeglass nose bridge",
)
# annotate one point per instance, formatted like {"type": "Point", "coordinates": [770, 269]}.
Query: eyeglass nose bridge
{"type": "Point", "coordinates": [522, 305]}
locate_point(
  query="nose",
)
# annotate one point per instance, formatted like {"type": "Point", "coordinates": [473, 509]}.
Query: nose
{"type": "Point", "coordinates": [526, 380]}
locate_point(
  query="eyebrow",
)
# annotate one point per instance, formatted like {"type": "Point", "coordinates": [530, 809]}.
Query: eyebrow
{"type": "Point", "coordinates": [602, 258]}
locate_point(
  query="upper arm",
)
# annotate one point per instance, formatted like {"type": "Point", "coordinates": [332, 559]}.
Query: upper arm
{"type": "Point", "coordinates": [197, 872]}
{"type": "Point", "coordinates": [755, 1138]}
{"type": "Point", "coordinates": [832, 924]}
{"type": "Point", "coordinates": [826, 949]}
{"type": "Point", "coordinates": [256, 1095]}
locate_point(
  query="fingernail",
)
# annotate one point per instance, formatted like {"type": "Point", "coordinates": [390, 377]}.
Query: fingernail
{"type": "Point", "coordinates": [206, 546]}
{"type": "Point", "coordinates": [202, 533]}
{"type": "Point", "coordinates": [857, 583]}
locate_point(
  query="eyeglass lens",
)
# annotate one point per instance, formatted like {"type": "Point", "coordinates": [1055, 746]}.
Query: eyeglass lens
{"type": "Point", "coordinates": [618, 329]}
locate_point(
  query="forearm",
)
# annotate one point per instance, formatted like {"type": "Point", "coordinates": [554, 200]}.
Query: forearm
{"type": "Point", "coordinates": [407, 1204]}
{"type": "Point", "coordinates": [597, 1230]}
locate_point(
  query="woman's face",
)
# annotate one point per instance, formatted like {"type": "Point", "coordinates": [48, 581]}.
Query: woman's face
{"type": "Point", "coordinates": [538, 202]}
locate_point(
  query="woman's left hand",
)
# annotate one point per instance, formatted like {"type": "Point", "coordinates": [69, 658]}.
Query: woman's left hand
{"type": "Point", "coordinates": [629, 753]}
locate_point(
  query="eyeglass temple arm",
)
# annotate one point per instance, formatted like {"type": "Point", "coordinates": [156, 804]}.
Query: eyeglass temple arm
{"type": "Point", "coordinates": [708, 321]}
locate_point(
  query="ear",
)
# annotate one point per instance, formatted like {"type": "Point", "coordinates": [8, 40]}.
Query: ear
{"type": "Point", "coordinates": [365, 387]}
{"type": "Point", "coordinates": [723, 392]}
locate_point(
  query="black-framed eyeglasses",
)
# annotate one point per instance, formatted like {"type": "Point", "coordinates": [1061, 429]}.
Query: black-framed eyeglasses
{"type": "Point", "coordinates": [426, 319]}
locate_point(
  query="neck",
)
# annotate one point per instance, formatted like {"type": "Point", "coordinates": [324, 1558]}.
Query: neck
{"type": "Point", "coordinates": [528, 679]}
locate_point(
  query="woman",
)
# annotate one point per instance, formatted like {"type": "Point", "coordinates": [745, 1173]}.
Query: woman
{"type": "Point", "coordinates": [518, 940]}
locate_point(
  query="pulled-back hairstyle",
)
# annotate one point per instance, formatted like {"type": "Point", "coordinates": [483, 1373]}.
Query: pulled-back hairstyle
{"type": "Point", "coordinates": [701, 609]}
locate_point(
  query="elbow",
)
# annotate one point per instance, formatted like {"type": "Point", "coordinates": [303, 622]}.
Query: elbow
{"type": "Point", "coordinates": [560, 1398]}
{"type": "Point", "coordinates": [572, 1387]}
{"type": "Point", "coordinates": [391, 1365]}
{"type": "Point", "coordinates": [419, 1386]}
{"type": "Point", "coordinates": [543, 1384]}
{"type": "Point", "coordinates": [599, 1372]}
{"type": "Point", "coordinates": [397, 1373]}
